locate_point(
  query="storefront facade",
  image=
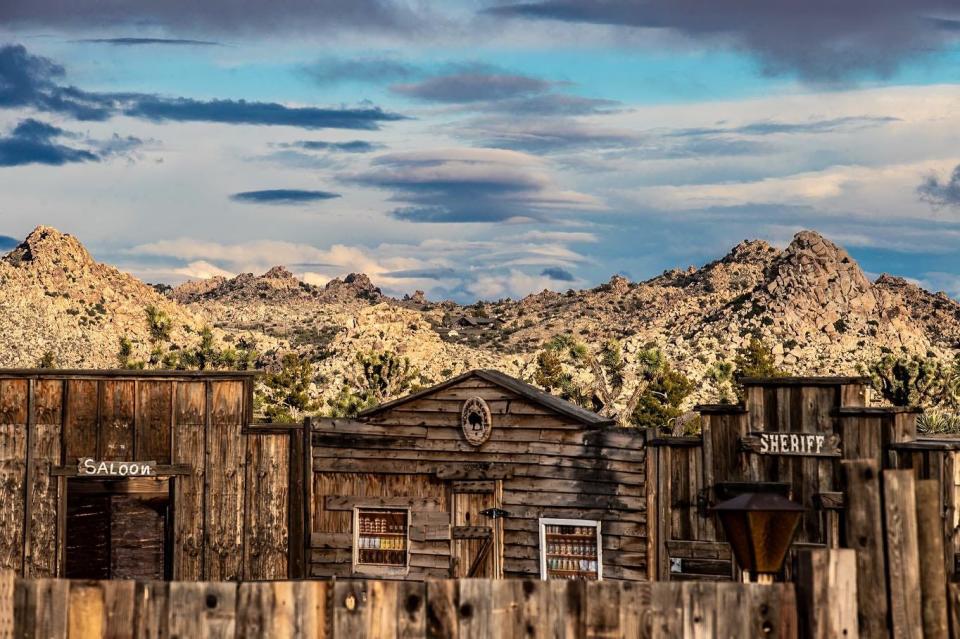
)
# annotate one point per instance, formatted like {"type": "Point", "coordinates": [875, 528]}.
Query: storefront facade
{"type": "Point", "coordinates": [140, 474]}
{"type": "Point", "coordinates": [480, 476]}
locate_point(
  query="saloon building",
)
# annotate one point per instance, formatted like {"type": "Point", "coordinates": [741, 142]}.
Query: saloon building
{"type": "Point", "coordinates": [165, 475]}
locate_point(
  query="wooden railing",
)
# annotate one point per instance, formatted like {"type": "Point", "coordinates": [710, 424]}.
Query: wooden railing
{"type": "Point", "coordinates": [468, 608]}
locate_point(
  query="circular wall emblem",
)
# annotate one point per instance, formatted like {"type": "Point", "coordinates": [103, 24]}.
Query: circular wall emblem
{"type": "Point", "coordinates": [475, 421]}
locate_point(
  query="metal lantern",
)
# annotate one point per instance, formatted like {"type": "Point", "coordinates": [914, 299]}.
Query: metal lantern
{"type": "Point", "coordinates": [760, 528]}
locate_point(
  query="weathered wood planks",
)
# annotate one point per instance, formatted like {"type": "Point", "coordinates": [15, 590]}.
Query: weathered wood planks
{"type": "Point", "coordinates": [191, 425]}
{"type": "Point", "coordinates": [827, 593]}
{"type": "Point", "coordinates": [355, 609]}
{"type": "Point", "coordinates": [864, 534]}
{"type": "Point", "coordinates": [903, 559]}
{"type": "Point", "coordinates": [266, 540]}
{"type": "Point", "coordinates": [189, 444]}
{"type": "Point", "coordinates": [547, 465]}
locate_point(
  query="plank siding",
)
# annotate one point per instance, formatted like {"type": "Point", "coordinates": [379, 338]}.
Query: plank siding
{"type": "Point", "coordinates": [117, 414]}
{"type": "Point", "coordinates": [189, 443]}
{"type": "Point", "coordinates": [266, 542]}
{"type": "Point", "coordinates": [42, 550]}
{"type": "Point", "coordinates": [549, 465]}
{"type": "Point", "coordinates": [81, 422]}
{"type": "Point", "coordinates": [13, 454]}
{"type": "Point", "coordinates": [192, 420]}
{"type": "Point", "coordinates": [153, 423]}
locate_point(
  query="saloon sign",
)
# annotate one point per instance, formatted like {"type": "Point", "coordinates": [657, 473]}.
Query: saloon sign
{"type": "Point", "coordinates": [795, 444]}
{"type": "Point", "coordinates": [88, 466]}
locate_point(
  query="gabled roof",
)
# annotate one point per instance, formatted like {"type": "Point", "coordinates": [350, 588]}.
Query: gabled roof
{"type": "Point", "coordinates": [513, 384]}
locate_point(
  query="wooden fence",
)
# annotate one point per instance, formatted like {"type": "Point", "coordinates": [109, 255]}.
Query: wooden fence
{"type": "Point", "coordinates": [354, 609]}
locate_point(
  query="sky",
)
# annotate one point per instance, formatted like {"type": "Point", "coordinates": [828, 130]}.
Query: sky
{"type": "Point", "coordinates": [481, 148]}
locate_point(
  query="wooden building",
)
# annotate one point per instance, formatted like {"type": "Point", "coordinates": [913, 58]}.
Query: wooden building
{"type": "Point", "coordinates": [482, 475]}
{"type": "Point", "coordinates": [791, 435]}
{"type": "Point", "coordinates": [163, 475]}
{"type": "Point", "coordinates": [152, 474]}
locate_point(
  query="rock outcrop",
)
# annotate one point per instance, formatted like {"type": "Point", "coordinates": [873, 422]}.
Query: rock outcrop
{"type": "Point", "coordinates": [810, 301]}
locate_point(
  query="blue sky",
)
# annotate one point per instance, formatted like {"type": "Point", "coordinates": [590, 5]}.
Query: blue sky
{"type": "Point", "coordinates": [480, 148]}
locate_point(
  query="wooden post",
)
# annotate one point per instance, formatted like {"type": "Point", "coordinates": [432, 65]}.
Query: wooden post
{"type": "Point", "coordinates": [864, 533]}
{"type": "Point", "coordinates": [933, 576]}
{"type": "Point", "coordinates": [201, 609]}
{"type": "Point", "coordinates": [475, 608]}
{"type": "Point", "coordinates": [7, 598]}
{"type": "Point", "coordinates": [443, 605]}
{"type": "Point", "coordinates": [827, 593]}
{"type": "Point", "coordinates": [903, 560]}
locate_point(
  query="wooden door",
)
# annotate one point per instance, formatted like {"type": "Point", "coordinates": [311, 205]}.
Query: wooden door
{"type": "Point", "coordinates": [477, 540]}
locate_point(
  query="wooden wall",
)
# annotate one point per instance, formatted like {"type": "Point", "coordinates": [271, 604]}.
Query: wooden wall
{"type": "Point", "coordinates": [692, 473]}
{"type": "Point", "coordinates": [537, 463]}
{"type": "Point", "coordinates": [230, 487]}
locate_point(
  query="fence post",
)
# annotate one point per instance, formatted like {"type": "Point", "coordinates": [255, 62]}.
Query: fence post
{"type": "Point", "coordinates": [864, 534]}
{"type": "Point", "coordinates": [827, 593]}
{"type": "Point", "coordinates": [933, 574]}
{"type": "Point", "coordinates": [7, 593]}
{"type": "Point", "coordinates": [903, 560]}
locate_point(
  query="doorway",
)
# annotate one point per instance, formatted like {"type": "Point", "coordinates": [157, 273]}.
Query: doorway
{"type": "Point", "coordinates": [479, 552]}
{"type": "Point", "coordinates": [119, 529]}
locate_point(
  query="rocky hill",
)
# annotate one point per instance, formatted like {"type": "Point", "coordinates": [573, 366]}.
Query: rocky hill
{"type": "Point", "coordinates": [55, 299]}
{"type": "Point", "coordinates": [811, 301]}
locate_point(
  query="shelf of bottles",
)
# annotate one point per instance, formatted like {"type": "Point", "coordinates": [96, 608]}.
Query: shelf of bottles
{"type": "Point", "coordinates": [570, 551]}
{"type": "Point", "coordinates": [381, 537]}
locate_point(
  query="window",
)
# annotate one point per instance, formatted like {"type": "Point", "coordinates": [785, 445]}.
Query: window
{"type": "Point", "coordinates": [380, 537]}
{"type": "Point", "coordinates": [570, 549]}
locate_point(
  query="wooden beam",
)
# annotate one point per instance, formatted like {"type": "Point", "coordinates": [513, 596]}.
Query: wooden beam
{"type": "Point", "coordinates": [471, 532]}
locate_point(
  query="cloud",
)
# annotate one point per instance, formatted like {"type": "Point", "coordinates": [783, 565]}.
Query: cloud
{"type": "Point", "coordinates": [28, 80]}
{"type": "Point", "coordinates": [473, 83]}
{"type": "Point", "coordinates": [372, 70]}
{"type": "Point", "coordinates": [557, 273]}
{"type": "Point", "coordinates": [283, 196]}
{"type": "Point", "coordinates": [34, 142]}
{"type": "Point", "coordinates": [941, 192]}
{"type": "Point", "coordinates": [773, 127]}
{"type": "Point", "coordinates": [820, 40]}
{"type": "Point", "coordinates": [471, 185]}
{"type": "Point", "coordinates": [444, 268]}
{"type": "Point", "coordinates": [546, 135]}
{"type": "Point", "coordinates": [424, 273]}
{"type": "Point", "coordinates": [351, 146]}
{"type": "Point", "coordinates": [218, 16]}
{"type": "Point", "coordinates": [940, 281]}
{"type": "Point", "coordinates": [162, 109]}
{"type": "Point", "coordinates": [32, 81]}
{"type": "Point", "coordinates": [132, 42]}
{"type": "Point", "coordinates": [553, 104]}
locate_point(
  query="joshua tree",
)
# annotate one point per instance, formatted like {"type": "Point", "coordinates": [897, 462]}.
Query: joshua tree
{"type": "Point", "coordinates": [125, 353]}
{"type": "Point", "coordinates": [159, 323]}
{"type": "Point", "coordinates": [722, 374]}
{"type": "Point", "coordinates": [47, 360]}
{"type": "Point", "coordinates": [914, 380]}
{"type": "Point", "coordinates": [286, 391]}
{"type": "Point", "coordinates": [597, 380]}
{"type": "Point", "coordinates": [756, 359]}
{"type": "Point", "coordinates": [376, 377]}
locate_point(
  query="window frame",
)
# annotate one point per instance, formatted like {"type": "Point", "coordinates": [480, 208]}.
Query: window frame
{"type": "Point", "coordinates": [379, 569]}
{"type": "Point", "coordinates": [596, 524]}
